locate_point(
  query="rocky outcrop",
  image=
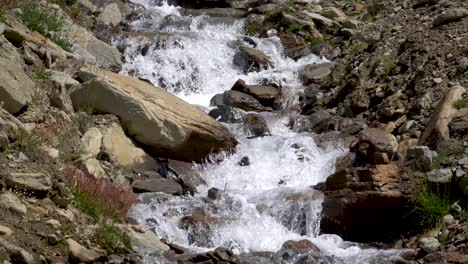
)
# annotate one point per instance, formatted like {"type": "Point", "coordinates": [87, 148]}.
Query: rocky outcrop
{"type": "Point", "coordinates": [250, 59]}
{"type": "Point", "coordinates": [438, 127]}
{"type": "Point", "coordinates": [16, 89]}
{"type": "Point", "coordinates": [160, 121]}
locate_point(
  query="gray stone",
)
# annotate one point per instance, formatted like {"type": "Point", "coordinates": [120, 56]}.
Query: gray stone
{"type": "Point", "coordinates": [111, 15]}
{"type": "Point", "coordinates": [448, 220]}
{"type": "Point", "coordinates": [81, 253]}
{"type": "Point", "coordinates": [93, 167]}
{"type": "Point", "coordinates": [53, 153]}
{"type": "Point", "coordinates": [250, 59]}
{"type": "Point", "coordinates": [12, 203]}
{"type": "Point", "coordinates": [422, 156]}
{"type": "Point", "coordinates": [5, 231]}
{"type": "Point", "coordinates": [31, 182]}
{"type": "Point", "coordinates": [243, 101]}
{"type": "Point", "coordinates": [450, 15]}
{"type": "Point", "coordinates": [227, 114]}
{"type": "Point", "coordinates": [429, 243]}
{"type": "Point", "coordinates": [317, 122]}
{"type": "Point", "coordinates": [17, 254]}
{"type": "Point", "coordinates": [147, 242]}
{"type": "Point", "coordinates": [440, 176]}
{"type": "Point", "coordinates": [16, 89]}
{"type": "Point", "coordinates": [313, 73]}
{"type": "Point", "coordinates": [157, 185]}
{"type": "Point", "coordinates": [255, 125]}
{"type": "Point", "coordinates": [91, 142]}
{"type": "Point", "coordinates": [463, 161]}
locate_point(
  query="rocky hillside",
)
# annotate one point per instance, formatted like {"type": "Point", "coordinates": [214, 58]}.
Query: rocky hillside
{"type": "Point", "coordinates": [78, 139]}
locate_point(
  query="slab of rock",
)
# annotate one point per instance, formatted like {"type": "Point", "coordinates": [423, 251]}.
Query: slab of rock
{"type": "Point", "coordinates": [81, 253]}
{"type": "Point", "coordinates": [16, 89]}
{"type": "Point", "coordinates": [438, 127]}
{"type": "Point", "coordinates": [243, 101]}
{"type": "Point", "coordinates": [250, 59]}
{"type": "Point", "coordinates": [111, 15]}
{"type": "Point", "coordinates": [93, 167]}
{"type": "Point", "coordinates": [266, 95]}
{"type": "Point", "coordinates": [157, 185]}
{"type": "Point", "coordinates": [317, 122]}
{"type": "Point", "coordinates": [227, 114]}
{"type": "Point", "coordinates": [450, 15]}
{"type": "Point", "coordinates": [379, 139]}
{"type": "Point", "coordinates": [17, 254]}
{"type": "Point", "coordinates": [123, 152]}
{"type": "Point", "coordinates": [429, 243]}
{"type": "Point", "coordinates": [255, 126]}
{"type": "Point", "coordinates": [147, 242]}
{"type": "Point", "coordinates": [314, 73]}
{"type": "Point", "coordinates": [155, 118]}
{"type": "Point", "coordinates": [422, 155]}
{"type": "Point", "coordinates": [91, 142]}
{"type": "Point", "coordinates": [31, 182]}
{"type": "Point", "coordinates": [300, 246]}
{"type": "Point", "coordinates": [5, 231]}
{"type": "Point", "coordinates": [12, 203]}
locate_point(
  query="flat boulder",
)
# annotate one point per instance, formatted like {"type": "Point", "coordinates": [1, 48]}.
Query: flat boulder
{"type": "Point", "coordinates": [16, 89]}
{"type": "Point", "coordinates": [314, 73]}
{"type": "Point", "coordinates": [267, 95]}
{"type": "Point", "coordinates": [243, 101]}
{"type": "Point", "coordinates": [30, 182]}
{"type": "Point", "coordinates": [250, 59]}
{"type": "Point", "coordinates": [163, 123]}
{"type": "Point", "coordinates": [157, 185]}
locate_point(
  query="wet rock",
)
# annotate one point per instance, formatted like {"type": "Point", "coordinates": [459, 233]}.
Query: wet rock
{"type": "Point", "coordinates": [155, 118]}
{"type": "Point", "coordinates": [123, 152]}
{"type": "Point", "coordinates": [294, 45]}
{"type": "Point", "coordinates": [440, 176]}
{"type": "Point", "coordinates": [214, 193]}
{"type": "Point", "coordinates": [217, 100]}
{"type": "Point", "coordinates": [438, 127]}
{"type": "Point", "coordinates": [450, 15]}
{"type": "Point", "coordinates": [243, 101]}
{"type": "Point", "coordinates": [11, 202]}
{"type": "Point", "coordinates": [204, 3]}
{"type": "Point", "coordinates": [430, 244]}
{"type": "Point", "coordinates": [31, 182]}
{"type": "Point", "coordinates": [255, 126]}
{"type": "Point", "coordinates": [317, 122]}
{"type": "Point", "coordinates": [81, 253]}
{"type": "Point", "coordinates": [157, 185]}
{"type": "Point", "coordinates": [300, 246]}
{"type": "Point", "coordinates": [422, 156]}
{"type": "Point", "coordinates": [245, 161]}
{"type": "Point", "coordinates": [250, 59]}
{"type": "Point", "coordinates": [227, 114]}
{"type": "Point", "coordinates": [266, 95]}
{"type": "Point", "coordinates": [314, 73]}
{"type": "Point", "coordinates": [214, 12]}
{"type": "Point", "coordinates": [16, 89]}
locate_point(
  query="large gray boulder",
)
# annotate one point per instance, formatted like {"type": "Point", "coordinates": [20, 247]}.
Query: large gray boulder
{"type": "Point", "coordinates": [165, 124]}
{"type": "Point", "coordinates": [16, 89]}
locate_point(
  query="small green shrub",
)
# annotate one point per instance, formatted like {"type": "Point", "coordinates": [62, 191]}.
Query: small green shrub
{"type": "Point", "coordinates": [315, 41]}
{"type": "Point", "coordinates": [294, 28]}
{"type": "Point", "coordinates": [448, 158]}
{"type": "Point", "coordinates": [26, 142]}
{"type": "Point", "coordinates": [64, 2]}
{"type": "Point", "coordinates": [64, 44]}
{"type": "Point", "coordinates": [460, 104]}
{"type": "Point", "coordinates": [355, 48]}
{"type": "Point", "coordinates": [388, 64]}
{"type": "Point", "coordinates": [41, 74]}
{"type": "Point", "coordinates": [252, 29]}
{"type": "Point", "coordinates": [38, 19]}
{"type": "Point", "coordinates": [112, 239]}
{"type": "Point", "coordinates": [84, 120]}
{"type": "Point", "coordinates": [432, 204]}
{"type": "Point", "coordinates": [2, 15]}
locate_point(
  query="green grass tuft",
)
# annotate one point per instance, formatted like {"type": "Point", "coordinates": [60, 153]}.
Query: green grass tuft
{"type": "Point", "coordinates": [460, 104]}
{"type": "Point", "coordinates": [64, 44]}
{"type": "Point", "coordinates": [112, 240]}
{"type": "Point", "coordinates": [432, 204]}
{"type": "Point", "coordinates": [389, 64]}
{"type": "Point", "coordinates": [38, 19]}
{"type": "Point", "coordinates": [41, 74]}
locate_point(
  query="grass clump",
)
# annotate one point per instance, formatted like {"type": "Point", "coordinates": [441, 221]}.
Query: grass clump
{"type": "Point", "coordinates": [84, 118]}
{"type": "Point", "coordinates": [26, 142]}
{"type": "Point", "coordinates": [39, 19]}
{"type": "Point", "coordinates": [252, 29]}
{"type": "Point", "coordinates": [432, 204]}
{"type": "Point", "coordinates": [449, 157]}
{"type": "Point", "coordinates": [41, 74]}
{"type": "Point", "coordinates": [355, 48]}
{"type": "Point", "coordinates": [388, 64]}
{"type": "Point", "coordinates": [459, 104]}
{"type": "Point", "coordinates": [64, 44]}
{"type": "Point", "coordinates": [2, 15]}
{"type": "Point", "coordinates": [112, 240]}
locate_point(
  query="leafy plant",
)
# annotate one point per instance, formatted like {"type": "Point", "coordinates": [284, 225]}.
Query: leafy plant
{"type": "Point", "coordinates": [26, 142]}
{"type": "Point", "coordinates": [294, 28]}
{"type": "Point", "coordinates": [432, 204]}
{"type": "Point", "coordinates": [64, 44]}
{"type": "Point", "coordinates": [315, 41]}
{"type": "Point", "coordinates": [112, 239]}
{"type": "Point", "coordinates": [41, 74]}
{"type": "Point", "coordinates": [388, 64]}
{"type": "Point", "coordinates": [459, 104]}
{"type": "Point", "coordinates": [38, 19]}
{"type": "Point", "coordinates": [2, 14]}
{"type": "Point", "coordinates": [252, 29]}
{"type": "Point", "coordinates": [84, 120]}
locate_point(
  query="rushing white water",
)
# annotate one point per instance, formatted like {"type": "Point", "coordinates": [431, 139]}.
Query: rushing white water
{"type": "Point", "coordinates": [261, 205]}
